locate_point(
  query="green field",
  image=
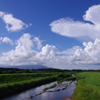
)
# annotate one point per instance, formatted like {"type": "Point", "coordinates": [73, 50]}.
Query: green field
{"type": "Point", "coordinates": [88, 83]}
{"type": "Point", "coordinates": [11, 79]}
{"type": "Point", "coordinates": [15, 83]}
{"type": "Point", "coordinates": [88, 86]}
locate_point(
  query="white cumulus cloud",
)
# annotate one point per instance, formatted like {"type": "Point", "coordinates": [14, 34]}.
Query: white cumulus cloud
{"type": "Point", "coordinates": [30, 51]}
{"type": "Point", "coordinates": [92, 14]}
{"type": "Point", "coordinates": [12, 23]}
{"type": "Point", "coordinates": [78, 29]}
{"type": "Point", "coordinates": [6, 40]}
{"type": "Point", "coordinates": [38, 42]}
{"type": "Point", "coordinates": [26, 54]}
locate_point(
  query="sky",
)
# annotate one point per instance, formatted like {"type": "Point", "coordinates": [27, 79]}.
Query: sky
{"type": "Point", "coordinates": [61, 34]}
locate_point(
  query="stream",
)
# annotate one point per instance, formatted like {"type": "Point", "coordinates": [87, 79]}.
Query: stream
{"type": "Point", "coordinates": [56, 95]}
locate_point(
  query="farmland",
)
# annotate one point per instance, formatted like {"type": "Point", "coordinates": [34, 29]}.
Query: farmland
{"type": "Point", "coordinates": [88, 86]}
{"type": "Point", "coordinates": [15, 83]}
{"type": "Point", "coordinates": [88, 83]}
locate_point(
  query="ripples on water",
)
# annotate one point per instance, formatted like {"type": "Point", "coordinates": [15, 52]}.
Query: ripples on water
{"type": "Point", "coordinates": [45, 96]}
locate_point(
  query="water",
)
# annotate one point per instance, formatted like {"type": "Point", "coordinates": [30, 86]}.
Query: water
{"type": "Point", "coordinates": [45, 96]}
{"type": "Point", "coordinates": [59, 86]}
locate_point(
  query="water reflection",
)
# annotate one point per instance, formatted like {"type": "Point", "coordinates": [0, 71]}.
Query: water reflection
{"type": "Point", "coordinates": [58, 95]}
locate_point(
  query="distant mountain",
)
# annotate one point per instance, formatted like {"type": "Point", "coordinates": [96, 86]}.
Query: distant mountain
{"type": "Point", "coordinates": [27, 67]}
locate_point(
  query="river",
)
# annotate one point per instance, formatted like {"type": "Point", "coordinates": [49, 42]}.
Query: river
{"type": "Point", "coordinates": [58, 95]}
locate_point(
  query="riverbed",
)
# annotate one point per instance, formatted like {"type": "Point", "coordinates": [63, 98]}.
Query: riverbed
{"type": "Point", "coordinates": [57, 95]}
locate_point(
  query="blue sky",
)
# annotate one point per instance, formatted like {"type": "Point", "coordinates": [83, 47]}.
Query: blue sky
{"type": "Point", "coordinates": [41, 13]}
{"type": "Point", "coordinates": [37, 17]}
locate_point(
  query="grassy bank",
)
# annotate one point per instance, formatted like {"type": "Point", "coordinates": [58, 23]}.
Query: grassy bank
{"type": "Point", "coordinates": [15, 83]}
{"type": "Point", "coordinates": [88, 86]}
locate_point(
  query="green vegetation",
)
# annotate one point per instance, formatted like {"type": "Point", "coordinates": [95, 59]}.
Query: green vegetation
{"type": "Point", "coordinates": [88, 86]}
{"type": "Point", "coordinates": [21, 77]}
{"type": "Point", "coordinates": [88, 83]}
{"type": "Point", "coordinates": [15, 83]}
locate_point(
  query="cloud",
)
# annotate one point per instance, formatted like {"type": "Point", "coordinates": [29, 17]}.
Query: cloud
{"type": "Point", "coordinates": [12, 24]}
{"type": "Point", "coordinates": [21, 54]}
{"type": "Point", "coordinates": [30, 51]}
{"type": "Point", "coordinates": [38, 42]}
{"type": "Point", "coordinates": [6, 40]}
{"type": "Point", "coordinates": [78, 29]}
{"type": "Point", "coordinates": [48, 51]}
{"type": "Point", "coordinates": [25, 53]}
{"type": "Point", "coordinates": [93, 49]}
{"type": "Point", "coordinates": [92, 14]}
{"type": "Point", "coordinates": [88, 55]}
{"type": "Point", "coordinates": [89, 28]}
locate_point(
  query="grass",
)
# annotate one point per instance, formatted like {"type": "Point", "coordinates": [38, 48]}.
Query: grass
{"type": "Point", "coordinates": [15, 83]}
{"type": "Point", "coordinates": [88, 86]}
{"type": "Point", "coordinates": [9, 78]}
